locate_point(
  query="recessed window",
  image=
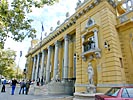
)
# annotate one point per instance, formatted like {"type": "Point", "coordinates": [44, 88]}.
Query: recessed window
{"type": "Point", "coordinates": [121, 63]}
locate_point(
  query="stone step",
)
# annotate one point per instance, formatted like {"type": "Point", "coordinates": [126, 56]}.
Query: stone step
{"type": "Point", "coordinates": [57, 98]}
{"type": "Point", "coordinates": [38, 90]}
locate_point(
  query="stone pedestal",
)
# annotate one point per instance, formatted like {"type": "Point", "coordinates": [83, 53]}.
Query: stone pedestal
{"type": "Point", "coordinates": [37, 90]}
{"type": "Point", "coordinates": [66, 88]}
{"type": "Point", "coordinates": [91, 89]}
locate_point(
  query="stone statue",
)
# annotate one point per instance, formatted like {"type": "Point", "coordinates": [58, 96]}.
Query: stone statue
{"type": "Point", "coordinates": [78, 3]}
{"type": "Point", "coordinates": [90, 73]}
{"type": "Point", "coordinates": [57, 76]}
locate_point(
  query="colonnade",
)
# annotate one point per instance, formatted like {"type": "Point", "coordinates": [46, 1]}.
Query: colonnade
{"type": "Point", "coordinates": [38, 68]}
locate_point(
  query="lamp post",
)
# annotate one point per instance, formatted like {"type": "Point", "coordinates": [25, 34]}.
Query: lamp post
{"type": "Point", "coordinates": [24, 72]}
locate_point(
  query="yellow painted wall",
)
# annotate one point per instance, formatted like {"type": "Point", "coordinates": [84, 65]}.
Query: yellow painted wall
{"type": "Point", "coordinates": [126, 38]}
{"type": "Point", "coordinates": [61, 53]}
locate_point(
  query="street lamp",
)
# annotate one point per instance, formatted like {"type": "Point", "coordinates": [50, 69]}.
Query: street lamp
{"type": "Point", "coordinates": [24, 72]}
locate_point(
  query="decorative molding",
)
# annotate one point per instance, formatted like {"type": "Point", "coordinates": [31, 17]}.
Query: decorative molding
{"type": "Point", "coordinates": [113, 85]}
{"type": "Point", "coordinates": [90, 23]}
{"type": "Point", "coordinates": [84, 58]}
{"type": "Point", "coordinates": [98, 54]}
{"type": "Point", "coordinates": [103, 85]}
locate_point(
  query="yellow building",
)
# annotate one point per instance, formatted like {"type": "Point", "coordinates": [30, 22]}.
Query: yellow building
{"type": "Point", "coordinates": [100, 32]}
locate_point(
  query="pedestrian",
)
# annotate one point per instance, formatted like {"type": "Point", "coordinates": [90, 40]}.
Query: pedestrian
{"type": "Point", "coordinates": [3, 86]}
{"type": "Point", "coordinates": [27, 86]}
{"type": "Point", "coordinates": [38, 81]}
{"type": "Point", "coordinates": [14, 82]}
{"type": "Point", "coordinates": [22, 86]}
{"type": "Point", "coordinates": [42, 81]}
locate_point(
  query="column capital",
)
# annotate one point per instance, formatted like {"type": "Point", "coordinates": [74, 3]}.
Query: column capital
{"type": "Point", "coordinates": [83, 36]}
{"type": "Point", "coordinates": [34, 57]}
{"type": "Point", "coordinates": [44, 51]}
{"type": "Point", "coordinates": [67, 37]}
{"type": "Point", "coordinates": [57, 43]}
{"type": "Point", "coordinates": [39, 54]}
{"type": "Point", "coordinates": [49, 47]}
{"type": "Point", "coordinates": [95, 30]}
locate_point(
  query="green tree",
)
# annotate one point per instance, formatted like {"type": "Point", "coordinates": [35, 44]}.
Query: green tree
{"type": "Point", "coordinates": [7, 58]}
{"type": "Point", "coordinates": [9, 73]}
{"type": "Point", "coordinates": [13, 21]}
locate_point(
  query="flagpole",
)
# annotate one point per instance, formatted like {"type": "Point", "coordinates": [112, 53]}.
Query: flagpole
{"type": "Point", "coordinates": [41, 36]}
{"type": "Point", "coordinates": [18, 63]}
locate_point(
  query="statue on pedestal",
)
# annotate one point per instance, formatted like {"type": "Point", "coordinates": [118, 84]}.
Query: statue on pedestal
{"type": "Point", "coordinates": [57, 76]}
{"type": "Point", "coordinates": [91, 87]}
{"type": "Point", "coordinates": [78, 3]}
{"type": "Point", "coordinates": [90, 73]}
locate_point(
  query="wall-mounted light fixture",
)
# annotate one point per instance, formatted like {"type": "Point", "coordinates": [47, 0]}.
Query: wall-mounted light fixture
{"type": "Point", "coordinates": [106, 45]}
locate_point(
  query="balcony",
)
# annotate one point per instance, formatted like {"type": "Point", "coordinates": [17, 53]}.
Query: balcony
{"type": "Point", "coordinates": [125, 18]}
{"type": "Point", "coordinates": [89, 50]}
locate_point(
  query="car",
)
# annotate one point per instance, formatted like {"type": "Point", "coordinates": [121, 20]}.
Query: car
{"type": "Point", "coordinates": [3, 79]}
{"type": "Point", "coordinates": [117, 93]}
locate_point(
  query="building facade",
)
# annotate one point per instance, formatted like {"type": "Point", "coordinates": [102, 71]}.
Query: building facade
{"type": "Point", "coordinates": [100, 32]}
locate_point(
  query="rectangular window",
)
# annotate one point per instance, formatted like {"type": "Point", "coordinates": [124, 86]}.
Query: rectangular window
{"type": "Point", "coordinates": [127, 93]}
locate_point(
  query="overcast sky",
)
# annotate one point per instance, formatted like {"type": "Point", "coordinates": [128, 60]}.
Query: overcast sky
{"type": "Point", "coordinates": [49, 15]}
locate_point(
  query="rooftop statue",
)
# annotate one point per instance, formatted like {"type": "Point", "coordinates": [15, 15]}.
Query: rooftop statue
{"type": "Point", "coordinates": [78, 3]}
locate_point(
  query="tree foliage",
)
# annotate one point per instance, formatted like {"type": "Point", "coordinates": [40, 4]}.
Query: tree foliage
{"type": "Point", "coordinates": [13, 21]}
{"type": "Point", "coordinates": [7, 58]}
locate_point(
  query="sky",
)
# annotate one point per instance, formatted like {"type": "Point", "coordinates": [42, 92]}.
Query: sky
{"type": "Point", "coordinates": [48, 15]}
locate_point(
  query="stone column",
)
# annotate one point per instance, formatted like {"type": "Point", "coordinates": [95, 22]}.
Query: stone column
{"type": "Point", "coordinates": [37, 66]}
{"type": "Point", "coordinates": [33, 68]}
{"type": "Point", "coordinates": [42, 64]}
{"type": "Point", "coordinates": [65, 69]}
{"type": "Point", "coordinates": [96, 38]}
{"type": "Point", "coordinates": [57, 43]}
{"type": "Point", "coordinates": [132, 4]}
{"type": "Point", "coordinates": [48, 65]}
{"type": "Point", "coordinates": [127, 6]}
{"type": "Point", "coordinates": [83, 39]}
